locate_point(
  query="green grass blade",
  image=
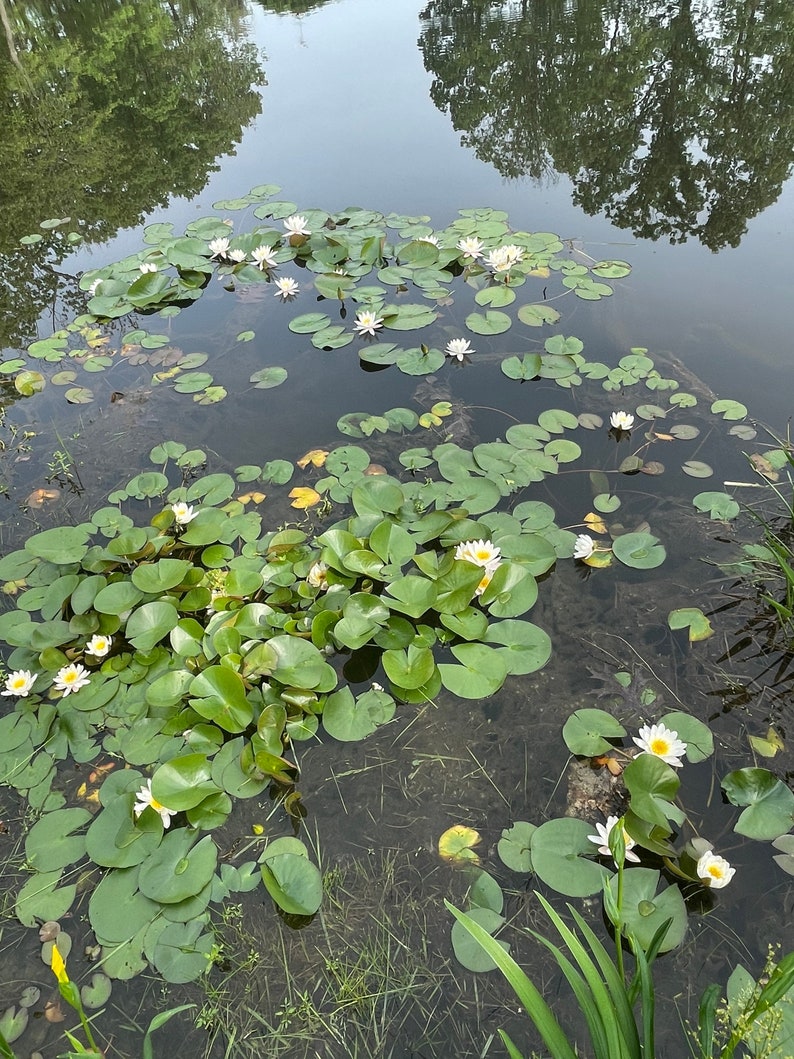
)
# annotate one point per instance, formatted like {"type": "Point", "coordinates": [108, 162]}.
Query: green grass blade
{"type": "Point", "coordinates": [512, 1051]}
{"type": "Point", "coordinates": [780, 982]}
{"type": "Point", "coordinates": [536, 1007]}
{"type": "Point", "coordinates": [603, 1047]}
{"type": "Point", "coordinates": [158, 1021]}
{"type": "Point", "coordinates": [615, 984]}
{"type": "Point", "coordinates": [647, 996]}
{"type": "Point", "coordinates": [706, 1018]}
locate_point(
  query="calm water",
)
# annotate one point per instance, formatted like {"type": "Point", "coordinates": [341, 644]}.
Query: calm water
{"type": "Point", "coordinates": [661, 134]}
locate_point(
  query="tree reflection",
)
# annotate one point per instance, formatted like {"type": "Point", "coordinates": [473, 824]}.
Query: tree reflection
{"type": "Point", "coordinates": [107, 109]}
{"type": "Point", "coordinates": [671, 118]}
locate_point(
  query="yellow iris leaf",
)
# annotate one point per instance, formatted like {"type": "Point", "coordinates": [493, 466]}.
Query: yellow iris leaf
{"type": "Point", "coordinates": [303, 497]}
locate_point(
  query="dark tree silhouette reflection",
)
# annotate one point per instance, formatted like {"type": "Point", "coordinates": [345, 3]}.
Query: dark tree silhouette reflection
{"type": "Point", "coordinates": [672, 118]}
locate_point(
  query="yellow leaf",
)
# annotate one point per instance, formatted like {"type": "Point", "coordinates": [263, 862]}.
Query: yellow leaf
{"type": "Point", "coordinates": [40, 496]}
{"type": "Point", "coordinates": [442, 408]}
{"type": "Point", "coordinates": [246, 498]}
{"type": "Point", "coordinates": [600, 560]}
{"type": "Point", "coordinates": [541, 273]}
{"type": "Point", "coordinates": [57, 965]}
{"type": "Point", "coordinates": [101, 341]}
{"type": "Point", "coordinates": [455, 845]}
{"type": "Point", "coordinates": [663, 437]}
{"type": "Point", "coordinates": [767, 747]}
{"type": "Point", "coordinates": [315, 457]}
{"type": "Point", "coordinates": [595, 523]}
{"type": "Point", "coordinates": [303, 497]}
{"type": "Point", "coordinates": [427, 419]}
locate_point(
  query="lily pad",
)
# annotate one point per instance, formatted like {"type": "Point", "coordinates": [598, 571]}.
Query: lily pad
{"type": "Point", "coordinates": [562, 855]}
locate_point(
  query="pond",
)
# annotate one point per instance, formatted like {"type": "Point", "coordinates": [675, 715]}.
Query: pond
{"type": "Point", "coordinates": [390, 396]}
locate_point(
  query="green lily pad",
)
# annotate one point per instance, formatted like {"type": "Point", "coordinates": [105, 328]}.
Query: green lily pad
{"type": "Point", "coordinates": [587, 732]}
{"type": "Point", "coordinates": [468, 951]}
{"type": "Point", "coordinates": [177, 869]}
{"type": "Point", "coordinates": [644, 909]}
{"type": "Point", "coordinates": [562, 854]}
{"type": "Point", "coordinates": [514, 846]}
{"type": "Point", "coordinates": [770, 803]}
{"type": "Point", "coordinates": [642, 551]}
{"type": "Point", "coordinates": [489, 323]}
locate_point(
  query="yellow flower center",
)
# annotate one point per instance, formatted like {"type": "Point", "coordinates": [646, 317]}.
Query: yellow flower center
{"type": "Point", "coordinates": [156, 805]}
{"type": "Point", "coordinates": [660, 747]}
{"type": "Point", "coordinates": [715, 871]}
{"type": "Point", "coordinates": [18, 683]}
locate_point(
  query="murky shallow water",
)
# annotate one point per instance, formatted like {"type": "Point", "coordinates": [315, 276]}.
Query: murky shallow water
{"type": "Point", "coordinates": [376, 808]}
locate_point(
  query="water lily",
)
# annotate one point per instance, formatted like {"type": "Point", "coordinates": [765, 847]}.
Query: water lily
{"type": "Point", "coordinates": [317, 577]}
{"type": "Point", "coordinates": [183, 513]}
{"type": "Point", "coordinates": [621, 420]}
{"type": "Point", "coordinates": [296, 225]}
{"type": "Point", "coordinates": [71, 678]}
{"type": "Point", "coordinates": [98, 645]}
{"type": "Point", "coordinates": [376, 686]}
{"type": "Point", "coordinates": [471, 247]}
{"type": "Point", "coordinates": [487, 577]}
{"type": "Point", "coordinates": [662, 742]}
{"type": "Point", "coordinates": [432, 239]}
{"type": "Point", "coordinates": [238, 256]}
{"type": "Point", "coordinates": [583, 546]}
{"type": "Point", "coordinates": [94, 287]}
{"type": "Point", "coordinates": [144, 800]}
{"type": "Point", "coordinates": [714, 870]}
{"type": "Point", "coordinates": [19, 683]}
{"type": "Point", "coordinates": [480, 553]}
{"type": "Point", "coordinates": [147, 266]}
{"type": "Point", "coordinates": [504, 257]}
{"type": "Point", "coordinates": [602, 839]}
{"type": "Point", "coordinates": [287, 287]}
{"type": "Point", "coordinates": [367, 322]}
{"type": "Point", "coordinates": [219, 248]}
{"type": "Point", "coordinates": [458, 348]}
{"type": "Point", "coordinates": [264, 257]}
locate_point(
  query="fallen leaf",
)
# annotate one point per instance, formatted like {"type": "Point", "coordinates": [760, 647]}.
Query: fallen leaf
{"type": "Point", "coordinates": [763, 466]}
{"type": "Point", "coordinates": [303, 497]}
{"type": "Point", "coordinates": [39, 497]}
{"type": "Point", "coordinates": [52, 1011]}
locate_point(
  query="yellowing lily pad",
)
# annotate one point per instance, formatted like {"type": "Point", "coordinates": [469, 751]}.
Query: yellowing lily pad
{"type": "Point", "coordinates": [595, 523]}
{"type": "Point", "coordinates": [769, 746]}
{"type": "Point", "coordinates": [455, 845]}
{"type": "Point", "coordinates": [303, 497]}
{"type": "Point", "coordinates": [315, 457]}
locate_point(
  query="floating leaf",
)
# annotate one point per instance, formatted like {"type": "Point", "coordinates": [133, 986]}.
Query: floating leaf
{"type": "Point", "coordinates": [729, 409]}
{"type": "Point", "coordinates": [456, 845]}
{"type": "Point", "coordinates": [767, 746]}
{"type": "Point", "coordinates": [246, 336]}
{"type": "Point", "coordinates": [468, 951]}
{"type": "Point", "coordinates": [586, 732]}
{"type": "Point", "coordinates": [691, 618]}
{"type": "Point", "coordinates": [267, 378]}
{"type": "Point", "coordinates": [720, 506]}
{"type": "Point", "coordinates": [537, 315]}
{"type": "Point", "coordinates": [644, 908]}
{"type": "Point", "coordinates": [642, 551]}
{"type": "Point", "coordinates": [562, 857]}
{"type": "Point", "coordinates": [29, 382]}
{"type": "Point", "coordinates": [490, 323]}
{"type": "Point", "coordinates": [770, 803]}
{"type": "Point", "coordinates": [697, 469]}
{"type": "Point", "coordinates": [514, 846]}
{"type": "Point", "coordinates": [304, 497]}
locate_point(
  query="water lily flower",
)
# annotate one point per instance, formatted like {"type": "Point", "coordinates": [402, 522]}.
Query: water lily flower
{"type": "Point", "coordinates": [183, 513]}
{"type": "Point", "coordinates": [471, 247]}
{"type": "Point", "coordinates": [144, 800]}
{"type": "Point", "coordinates": [433, 239]}
{"type": "Point", "coordinates": [715, 871]}
{"type": "Point", "coordinates": [264, 257]}
{"type": "Point", "coordinates": [376, 686]}
{"type": "Point", "coordinates": [487, 577]}
{"type": "Point", "coordinates": [98, 645]}
{"type": "Point", "coordinates": [504, 257]}
{"type": "Point", "coordinates": [147, 266]}
{"type": "Point", "coordinates": [458, 348]}
{"type": "Point", "coordinates": [662, 742]}
{"type": "Point", "coordinates": [317, 577]}
{"type": "Point", "coordinates": [621, 420]}
{"type": "Point", "coordinates": [71, 678]}
{"type": "Point", "coordinates": [602, 839]}
{"type": "Point", "coordinates": [367, 322]}
{"type": "Point", "coordinates": [287, 287]}
{"type": "Point", "coordinates": [19, 683]}
{"type": "Point", "coordinates": [238, 256]}
{"type": "Point", "coordinates": [583, 546]}
{"type": "Point", "coordinates": [94, 287]}
{"type": "Point", "coordinates": [219, 248]}
{"type": "Point", "coordinates": [480, 553]}
{"type": "Point", "coordinates": [296, 225]}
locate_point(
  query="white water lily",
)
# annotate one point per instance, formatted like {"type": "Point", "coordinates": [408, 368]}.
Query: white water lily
{"type": "Point", "coordinates": [458, 348]}
{"type": "Point", "coordinates": [238, 256]}
{"type": "Point", "coordinates": [219, 247]}
{"type": "Point", "coordinates": [98, 645]}
{"type": "Point", "coordinates": [287, 287]}
{"type": "Point", "coordinates": [487, 576]}
{"type": "Point", "coordinates": [433, 239]}
{"type": "Point", "coordinates": [19, 683]}
{"type": "Point", "coordinates": [661, 742]}
{"type": "Point", "coordinates": [296, 225]}
{"type": "Point", "coordinates": [504, 257]}
{"type": "Point", "coordinates": [317, 577]}
{"type": "Point", "coordinates": [471, 247]}
{"type": "Point", "coordinates": [602, 839]}
{"type": "Point", "coordinates": [480, 553]}
{"type": "Point", "coordinates": [147, 266]}
{"type": "Point", "coordinates": [183, 513]}
{"type": "Point", "coordinates": [621, 420]}
{"type": "Point", "coordinates": [583, 546]}
{"type": "Point", "coordinates": [71, 678]}
{"type": "Point", "coordinates": [264, 257]}
{"type": "Point", "coordinates": [94, 287]}
{"type": "Point", "coordinates": [144, 800]}
{"type": "Point", "coordinates": [367, 322]}
{"type": "Point", "coordinates": [376, 686]}
{"type": "Point", "coordinates": [714, 870]}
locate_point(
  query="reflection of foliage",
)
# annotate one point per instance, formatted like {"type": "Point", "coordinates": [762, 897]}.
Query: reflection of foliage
{"type": "Point", "coordinates": [109, 110]}
{"type": "Point", "coordinates": [672, 119]}
{"type": "Point", "coordinates": [291, 7]}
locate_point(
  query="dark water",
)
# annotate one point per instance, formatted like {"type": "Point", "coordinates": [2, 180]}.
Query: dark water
{"type": "Point", "coordinates": [659, 133]}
